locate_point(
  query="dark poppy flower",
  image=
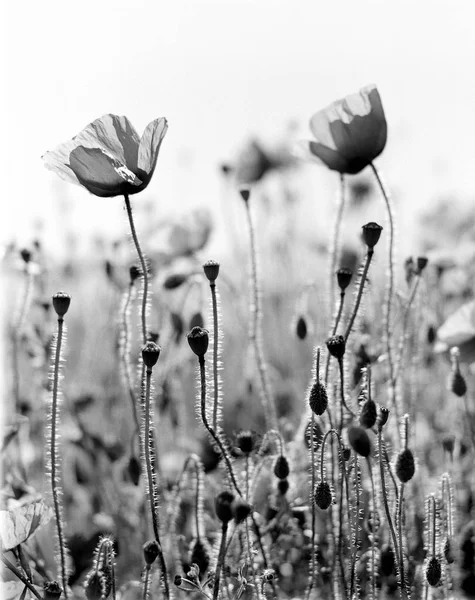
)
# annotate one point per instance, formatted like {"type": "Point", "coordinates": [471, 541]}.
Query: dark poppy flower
{"type": "Point", "coordinates": [108, 157]}
{"type": "Point", "coordinates": [349, 134]}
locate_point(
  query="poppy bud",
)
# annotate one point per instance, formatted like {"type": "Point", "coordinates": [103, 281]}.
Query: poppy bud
{"type": "Point", "coordinates": [241, 510]}
{"type": "Point", "coordinates": [211, 269]}
{"type": "Point", "coordinates": [200, 555]}
{"type": "Point", "coordinates": [317, 435]}
{"type": "Point", "coordinates": [52, 590]}
{"type": "Point", "coordinates": [405, 466]}
{"type": "Point", "coordinates": [61, 302]}
{"type": "Point", "coordinates": [433, 571]}
{"type": "Point", "coordinates": [268, 575]}
{"type": "Point", "coordinates": [26, 255]}
{"type": "Point", "coordinates": [458, 386]}
{"type": "Point", "coordinates": [245, 193]}
{"type": "Point", "coordinates": [245, 442]}
{"type": "Point", "coordinates": [346, 453]}
{"type": "Point", "coordinates": [175, 281]}
{"type": "Point", "coordinates": [134, 273]}
{"type": "Point", "coordinates": [134, 469]}
{"type": "Point", "coordinates": [359, 441]}
{"type": "Point", "coordinates": [383, 416]}
{"type": "Point", "coordinates": [343, 277]}
{"type": "Point", "coordinates": [283, 486]}
{"type": "Point", "coordinates": [371, 234]}
{"type": "Point", "coordinates": [223, 506]}
{"type": "Point", "coordinates": [198, 339]}
{"type": "Point", "coordinates": [301, 328]}
{"type": "Point", "coordinates": [421, 263]}
{"type": "Point", "coordinates": [150, 552]}
{"type": "Point", "coordinates": [196, 321]}
{"type": "Point", "coordinates": [368, 414]}
{"type": "Point", "coordinates": [336, 346]}
{"type": "Point", "coordinates": [150, 354]}
{"type": "Point", "coordinates": [386, 561]}
{"type": "Point", "coordinates": [226, 169]}
{"type": "Point", "coordinates": [94, 585]}
{"type": "Point", "coordinates": [318, 399]}
{"type": "Point", "coordinates": [281, 467]}
{"type": "Point", "coordinates": [323, 495]}
{"type": "Point", "coordinates": [178, 580]}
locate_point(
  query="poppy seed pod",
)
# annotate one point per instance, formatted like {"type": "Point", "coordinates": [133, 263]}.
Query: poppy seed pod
{"type": "Point", "coordinates": [174, 281]}
{"type": "Point", "coordinates": [336, 346]}
{"type": "Point", "coordinates": [301, 328]}
{"type": "Point", "coordinates": [359, 441]}
{"type": "Point", "coordinates": [318, 399]}
{"type": "Point", "coordinates": [433, 571]}
{"type": "Point", "coordinates": [421, 263]}
{"type": "Point", "coordinates": [223, 506]}
{"type": "Point", "coordinates": [405, 466]}
{"type": "Point", "coordinates": [61, 302]}
{"type": "Point", "coordinates": [241, 510]}
{"type": "Point", "coordinates": [26, 255]}
{"type": "Point", "coordinates": [52, 590]}
{"type": "Point", "coordinates": [368, 414]}
{"type": "Point", "coordinates": [245, 194]}
{"type": "Point", "coordinates": [198, 339]}
{"type": "Point", "coordinates": [371, 234]}
{"type": "Point", "coordinates": [245, 442]}
{"type": "Point", "coordinates": [150, 552]}
{"type": "Point", "coordinates": [281, 467]}
{"type": "Point", "coordinates": [283, 486]}
{"type": "Point", "coordinates": [458, 385]}
{"type": "Point", "coordinates": [383, 416]}
{"type": "Point", "coordinates": [199, 555]}
{"type": "Point", "coordinates": [134, 273]}
{"type": "Point", "coordinates": [343, 277]}
{"type": "Point", "coordinates": [150, 354]}
{"type": "Point", "coordinates": [323, 495]}
{"type": "Point", "coordinates": [197, 321]}
{"type": "Point", "coordinates": [178, 580]}
{"type": "Point", "coordinates": [211, 269]}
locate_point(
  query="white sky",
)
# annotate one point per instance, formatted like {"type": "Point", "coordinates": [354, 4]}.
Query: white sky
{"type": "Point", "coordinates": [221, 71]}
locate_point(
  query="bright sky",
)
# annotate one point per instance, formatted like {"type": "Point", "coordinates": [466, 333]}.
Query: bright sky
{"type": "Point", "coordinates": [221, 71]}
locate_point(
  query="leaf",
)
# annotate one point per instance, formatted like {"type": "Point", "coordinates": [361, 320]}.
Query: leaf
{"type": "Point", "coordinates": [20, 521]}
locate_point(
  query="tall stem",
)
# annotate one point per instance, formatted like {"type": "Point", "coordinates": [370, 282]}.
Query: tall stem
{"type": "Point", "coordinates": [369, 256]}
{"type": "Point", "coordinates": [336, 239]}
{"type": "Point", "coordinates": [212, 285]}
{"type": "Point", "coordinates": [221, 556]}
{"type": "Point", "coordinates": [125, 358]}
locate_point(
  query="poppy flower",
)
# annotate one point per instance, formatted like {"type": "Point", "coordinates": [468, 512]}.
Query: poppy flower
{"type": "Point", "coordinates": [349, 134]}
{"type": "Point", "coordinates": [459, 330]}
{"type": "Point", "coordinates": [108, 157]}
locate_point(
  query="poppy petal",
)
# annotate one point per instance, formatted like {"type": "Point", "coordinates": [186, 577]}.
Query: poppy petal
{"type": "Point", "coordinates": [459, 327]}
{"type": "Point", "coordinates": [149, 148]}
{"type": "Point", "coordinates": [99, 173]}
{"type": "Point", "coordinates": [320, 126]}
{"type": "Point", "coordinates": [327, 156]}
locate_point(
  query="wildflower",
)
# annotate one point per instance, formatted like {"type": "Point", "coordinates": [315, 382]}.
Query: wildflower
{"type": "Point", "coordinates": [108, 157]}
{"type": "Point", "coordinates": [350, 133]}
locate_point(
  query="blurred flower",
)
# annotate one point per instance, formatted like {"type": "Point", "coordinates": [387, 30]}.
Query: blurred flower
{"type": "Point", "coordinates": [459, 330]}
{"type": "Point", "coordinates": [108, 157]}
{"type": "Point", "coordinates": [350, 133]}
{"type": "Point", "coordinates": [254, 162]}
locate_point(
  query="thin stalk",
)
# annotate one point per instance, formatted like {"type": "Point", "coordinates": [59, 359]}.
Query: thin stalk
{"type": "Point", "coordinates": [125, 358]}
{"type": "Point", "coordinates": [146, 582]}
{"type": "Point", "coordinates": [336, 239]}
{"type": "Point", "coordinates": [405, 324]}
{"type": "Point", "coordinates": [21, 577]}
{"type": "Point", "coordinates": [334, 330]}
{"type": "Point", "coordinates": [220, 565]}
{"type": "Point", "coordinates": [212, 285]}
{"type": "Point", "coordinates": [369, 256]}
{"type": "Point", "coordinates": [312, 504]}
{"type": "Point", "coordinates": [374, 530]}
{"type": "Point", "coordinates": [255, 333]}
{"type": "Point", "coordinates": [401, 542]}
{"type": "Point", "coordinates": [55, 488]}
{"type": "Point", "coordinates": [342, 393]}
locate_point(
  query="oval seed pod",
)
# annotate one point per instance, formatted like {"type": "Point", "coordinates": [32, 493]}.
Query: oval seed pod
{"type": "Point", "coordinates": [359, 441]}
{"type": "Point", "coordinates": [322, 495]}
{"type": "Point", "coordinates": [344, 276]}
{"type": "Point", "coordinates": [61, 302]}
{"type": "Point", "coordinates": [457, 384]}
{"type": "Point", "coordinates": [198, 339]}
{"type": "Point", "coordinates": [281, 467]}
{"type": "Point", "coordinates": [405, 466]}
{"type": "Point", "coordinates": [336, 346]}
{"type": "Point", "coordinates": [318, 398]}
{"type": "Point", "coordinates": [433, 571]}
{"type": "Point", "coordinates": [222, 505]}
{"type": "Point", "coordinates": [211, 269]}
{"type": "Point", "coordinates": [150, 551]}
{"type": "Point", "coordinates": [371, 234]}
{"type": "Point", "coordinates": [368, 414]}
{"type": "Point", "coordinates": [301, 328]}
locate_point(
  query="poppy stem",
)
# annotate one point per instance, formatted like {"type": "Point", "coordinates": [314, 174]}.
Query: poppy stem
{"type": "Point", "coordinates": [336, 239]}
{"type": "Point", "coordinates": [369, 256]}
{"type": "Point", "coordinates": [143, 264]}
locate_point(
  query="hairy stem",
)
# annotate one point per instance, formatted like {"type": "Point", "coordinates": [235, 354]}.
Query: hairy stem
{"type": "Point", "coordinates": [220, 565]}
{"type": "Point", "coordinates": [21, 577]}
{"type": "Point", "coordinates": [214, 299]}
{"type": "Point", "coordinates": [369, 256]}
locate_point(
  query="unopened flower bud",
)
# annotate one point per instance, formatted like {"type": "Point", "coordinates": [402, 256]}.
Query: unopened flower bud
{"type": "Point", "coordinates": [61, 302]}
{"type": "Point", "coordinates": [178, 580]}
{"type": "Point", "coordinates": [318, 399]}
{"type": "Point", "coordinates": [346, 453]}
{"type": "Point", "coordinates": [134, 273]}
{"type": "Point", "coordinates": [134, 470]}
{"type": "Point", "coordinates": [245, 193]}
{"type": "Point", "coordinates": [301, 328]}
{"type": "Point", "coordinates": [405, 466]}
{"type": "Point", "coordinates": [371, 234]}
{"type": "Point", "coordinates": [26, 255]}
{"type": "Point", "coordinates": [359, 441]}
{"type": "Point", "coordinates": [281, 467]}
{"type": "Point", "coordinates": [150, 551]}
{"type": "Point", "coordinates": [317, 435]}
{"type": "Point", "coordinates": [387, 563]}
{"type": "Point", "coordinates": [323, 495]}
{"type": "Point", "coordinates": [368, 414]}
{"type": "Point", "coordinates": [52, 590]}
{"type": "Point", "coordinates": [241, 510]}
{"type": "Point", "coordinates": [448, 552]}
{"type": "Point", "coordinates": [95, 585]}
{"type": "Point", "coordinates": [448, 443]}
{"type": "Point", "coordinates": [150, 354]}
{"type": "Point", "coordinates": [198, 339]}
{"type": "Point", "coordinates": [211, 269]}
{"type": "Point", "coordinates": [344, 276]}
{"type": "Point", "coordinates": [433, 571]}
{"type": "Point", "coordinates": [336, 346]}
{"type": "Point", "coordinates": [458, 385]}
{"type": "Point", "coordinates": [200, 555]}
{"type": "Point", "coordinates": [223, 506]}
{"type": "Point", "coordinates": [421, 263]}
{"type": "Point", "coordinates": [383, 416]}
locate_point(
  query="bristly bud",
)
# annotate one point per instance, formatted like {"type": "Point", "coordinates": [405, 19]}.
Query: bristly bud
{"type": "Point", "coordinates": [150, 354]}
{"type": "Point", "coordinates": [322, 495]}
{"type": "Point", "coordinates": [134, 273]}
{"type": "Point", "coordinates": [174, 281]}
{"type": "Point", "coordinates": [281, 467]}
{"type": "Point", "coordinates": [458, 385]}
{"type": "Point", "coordinates": [343, 277]}
{"type": "Point", "coordinates": [198, 339]}
{"type": "Point", "coordinates": [245, 442]}
{"type": "Point", "coordinates": [283, 486]}
{"type": "Point", "coordinates": [241, 510]}
{"type": "Point", "coordinates": [371, 234]}
{"type": "Point", "coordinates": [150, 551]}
{"type": "Point", "coordinates": [61, 302]}
{"type": "Point", "coordinates": [211, 269]}
{"type": "Point", "coordinates": [433, 571]}
{"type": "Point", "coordinates": [26, 255]}
{"type": "Point", "coordinates": [301, 328]}
{"type": "Point", "coordinates": [317, 435]}
{"type": "Point", "coordinates": [346, 453]}
{"type": "Point", "coordinates": [448, 552]}
{"type": "Point", "coordinates": [318, 399]}
{"type": "Point", "coordinates": [383, 416]}
{"type": "Point", "coordinates": [405, 466]}
{"type": "Point", "coordinates": [359, 441]}
{"type": "Point", "coordinates": [134, 470]}
{"type": "Point", "coordinates": [368, 414]}
{"type": "Point", "coordinates": [421, 263]}
{"type": "Point", "coordinates": [336, 346]}
{"type": "Point", "coordinates": [386, 561]}
{"type": "Point", "coordinates": [245, 193]}
{"type": "Point", "coordinates": [94, 586]}
{"type": "Point", "coordinates": [178, 580]}
{"type": "Point", "coordinates": [52, 590]}
{"type": "Point", "coordinates": [197, 321]}
{"type": "Point", "coordinates": [223, 506]}
{"type": "Point", "coordinates": [200, 555]}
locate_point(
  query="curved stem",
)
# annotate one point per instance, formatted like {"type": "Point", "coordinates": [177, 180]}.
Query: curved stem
{"type": "Point", "coordinates": [342, 393]}
{"type": "Point", "coordinates": [143, 265]}
{"type": "Point", "coordinates": [369, 256]}
{"type": "Point", "coordinates": [53, 449]}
